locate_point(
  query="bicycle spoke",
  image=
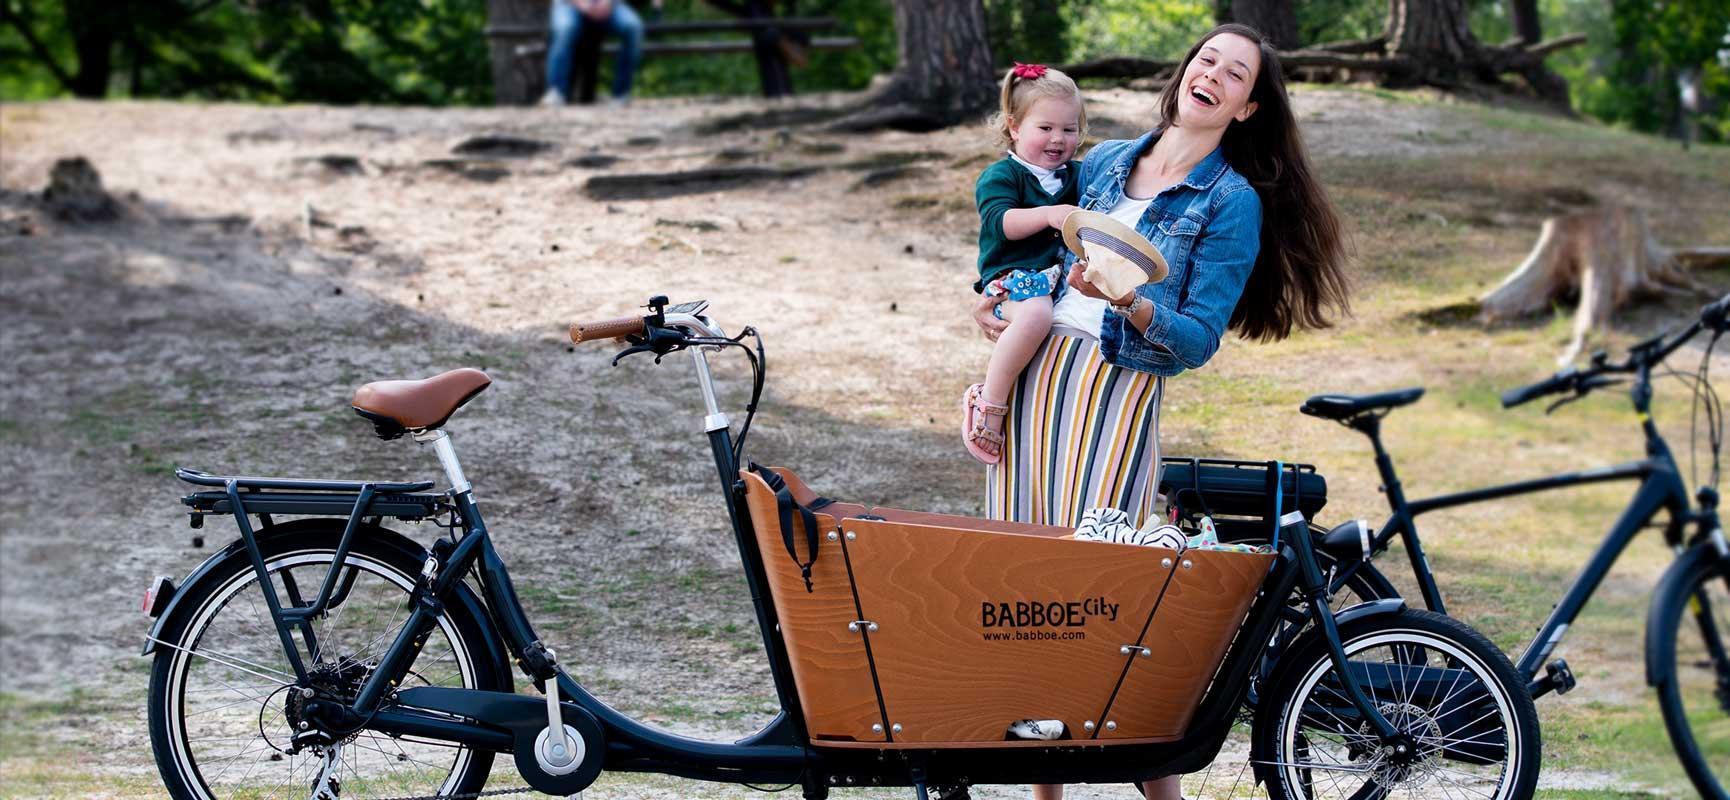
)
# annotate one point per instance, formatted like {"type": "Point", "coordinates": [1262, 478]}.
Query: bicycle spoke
{"type": "Point", "coordinates": [233, 716]}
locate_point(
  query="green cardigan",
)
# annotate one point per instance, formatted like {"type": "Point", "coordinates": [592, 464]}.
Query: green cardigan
{"type": "Point", "coordinates": [1006, 185]}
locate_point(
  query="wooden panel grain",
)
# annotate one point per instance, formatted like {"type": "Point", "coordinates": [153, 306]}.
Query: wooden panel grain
{"type": "Point", "coordinates": [1187, 639]}
{"type": "Point", "coordinates": [970, 523]}
{"type": "Point", "coordinates": [830, 670]}
{"type": "Point", "coordinates": [952, 669]}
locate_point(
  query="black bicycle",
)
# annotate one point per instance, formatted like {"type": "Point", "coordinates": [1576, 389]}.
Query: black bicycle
{"type": "Point", "coordinates": [1687, 659]}
{"type": "Point", "coordinates": [330, 657]}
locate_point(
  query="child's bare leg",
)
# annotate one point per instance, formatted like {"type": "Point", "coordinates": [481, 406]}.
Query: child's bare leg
{"type": "Point", "coordinates": [1029, 322]}
{"type": "Point", "coordinates": [1166, 788]}
{"type": "Point", "coordinates": [1048, 791]}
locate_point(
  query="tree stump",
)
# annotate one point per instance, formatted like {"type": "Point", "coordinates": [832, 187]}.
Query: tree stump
{"type": "Point", "coordinates": [75, 192]}
{"type": "Point", "coordinates": [1607, 258]}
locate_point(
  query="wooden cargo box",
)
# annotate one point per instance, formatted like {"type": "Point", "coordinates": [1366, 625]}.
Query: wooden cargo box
{"type": "Point", "coordinates": [929, 630]}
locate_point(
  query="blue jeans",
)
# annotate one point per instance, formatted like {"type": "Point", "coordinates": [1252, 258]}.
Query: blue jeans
{"type": "Point", "coordinates": [567, 25]}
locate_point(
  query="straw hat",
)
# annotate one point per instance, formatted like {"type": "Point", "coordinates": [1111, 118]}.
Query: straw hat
{"type": "Point", "coordinates": [1118, 259]}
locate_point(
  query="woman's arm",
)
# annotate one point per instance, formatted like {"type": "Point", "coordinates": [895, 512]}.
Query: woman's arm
{"type": "Point", "coordinates": [1221, 260]}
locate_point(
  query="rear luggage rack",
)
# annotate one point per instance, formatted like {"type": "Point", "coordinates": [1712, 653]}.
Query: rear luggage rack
{"type": "Point", "coordinates": [397, 500]}
{"type": "Point", "coordinates": [201, 478]}
{"type": "Point", "coordinates": [337, 504]}
{"type": "Point", "coordinates": [357, 500]}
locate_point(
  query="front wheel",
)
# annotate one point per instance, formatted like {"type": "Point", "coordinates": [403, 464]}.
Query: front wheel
{"type": "Point", "coordinates": [225, 703]}
{"type": "Point", "coordinates": [1690, 626]}
{"type": "Point", "coordinates": [1447, 688]}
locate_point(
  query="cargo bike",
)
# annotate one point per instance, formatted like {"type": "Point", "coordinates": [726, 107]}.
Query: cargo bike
{"type": "Point", "coordinates": [329, 656]}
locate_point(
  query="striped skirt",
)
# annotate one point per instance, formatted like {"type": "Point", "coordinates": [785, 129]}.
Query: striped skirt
{"type": "Point", "coordinates": [1081, 433]}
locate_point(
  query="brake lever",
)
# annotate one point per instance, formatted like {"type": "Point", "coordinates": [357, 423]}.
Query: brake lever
{"type": "Point", "coordinates": [659, 341]}
{"type": "Point", "coordinates": [1583, 388]}
{"type": "Point", "coordinates": [1562, 402]}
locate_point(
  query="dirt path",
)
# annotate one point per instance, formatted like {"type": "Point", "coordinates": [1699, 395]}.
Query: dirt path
{"type": "Point", "coordinates": [215, 327]}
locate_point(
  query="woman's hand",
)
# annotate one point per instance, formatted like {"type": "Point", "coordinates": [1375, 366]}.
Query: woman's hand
{"type": "Point", "coordinates": [1080, 284]}
{"type": "Point", "coordinates": [988, 322]}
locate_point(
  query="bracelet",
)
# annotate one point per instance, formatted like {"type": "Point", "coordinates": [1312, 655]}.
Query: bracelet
{"type": "Point", "coordinates": [1127, 311]}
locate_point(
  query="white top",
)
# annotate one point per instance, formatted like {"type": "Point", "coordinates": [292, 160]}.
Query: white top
{"type": "Point", "coordinates": [1048, 179]}
{"type": "Point", "coordinates": [1087, 314]}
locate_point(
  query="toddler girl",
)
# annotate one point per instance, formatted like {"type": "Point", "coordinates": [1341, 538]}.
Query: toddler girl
{"type": "Point", "coordinates": [1022, 201]}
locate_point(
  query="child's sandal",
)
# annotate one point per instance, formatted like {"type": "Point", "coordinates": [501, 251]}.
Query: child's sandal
{"type": "Point", "coordinates": [984, 443]}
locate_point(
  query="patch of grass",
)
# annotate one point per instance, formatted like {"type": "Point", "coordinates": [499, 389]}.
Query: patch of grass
{"type": "Point", "coordinates": [1602, 736]}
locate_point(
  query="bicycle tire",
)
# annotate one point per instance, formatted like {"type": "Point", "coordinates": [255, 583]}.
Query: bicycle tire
{"type": "Point", "coordinates": [1692, 676]}
{"type": "Point", "coordinates": [1439, 681]}
{"type": "Point", "coordinates": [219, 728]}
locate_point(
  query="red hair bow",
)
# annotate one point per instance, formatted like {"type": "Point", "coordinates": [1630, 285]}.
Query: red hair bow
{"type": "Point", "coordinates": [1030, 72]}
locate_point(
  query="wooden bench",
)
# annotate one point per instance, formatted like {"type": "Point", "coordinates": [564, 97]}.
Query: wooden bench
{"type": "Point", "coordinates": [777, 42]}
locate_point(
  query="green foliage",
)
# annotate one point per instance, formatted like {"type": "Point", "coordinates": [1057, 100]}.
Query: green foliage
{"type": "Point", "coordinates": [1028, 31]}
{"type": "Point", "coordinates": [338, 51]}
{"type": "Point", "coordinates": [870, 21]}
{"type": "Point", "coordinates": [1140, 28]}
{"type": "Point", "coordinates": [430, 52]}
{"type": "Point", "coordinates": [1338, 20]}
{"type": "Point", "coordinates": [434, 52]}
{"type": "Point", "coordinates": [1653, 44]}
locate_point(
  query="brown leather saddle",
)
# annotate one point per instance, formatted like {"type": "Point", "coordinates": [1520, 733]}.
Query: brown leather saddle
{"type": "Point", "coordinates": [399, 407]}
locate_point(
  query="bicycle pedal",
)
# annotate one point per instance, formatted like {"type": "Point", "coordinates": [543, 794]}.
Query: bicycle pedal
{"type": "Point", "coordinates": [1560, 676]}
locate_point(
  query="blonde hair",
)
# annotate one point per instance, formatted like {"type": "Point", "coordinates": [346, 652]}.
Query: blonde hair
{"type": "Point", "coordinates": [1019, 94]}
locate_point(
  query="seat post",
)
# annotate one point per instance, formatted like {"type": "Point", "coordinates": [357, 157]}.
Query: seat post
{"type": "Point", "coordinates": [447, 454]}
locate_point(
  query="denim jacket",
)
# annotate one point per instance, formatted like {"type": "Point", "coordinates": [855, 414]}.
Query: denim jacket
{"type": "Point", "coordinates": [1208, 228]}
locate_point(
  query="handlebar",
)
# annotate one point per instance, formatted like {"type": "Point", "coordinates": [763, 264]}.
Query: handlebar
{"type": "Point", "coordinates": [1714, 317]}
{"type": "Point", "coordinates": [1559, 382]}
{"type": "Point", "coordinates": [607, 329]}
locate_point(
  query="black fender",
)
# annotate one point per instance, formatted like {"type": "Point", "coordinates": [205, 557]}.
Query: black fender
{"type": "Point", "coordinates": [462, 595]}
{"type": "Point", "coordinates": [1664, 601]}
{"type": "Point", "coordinates": [1372, 608]}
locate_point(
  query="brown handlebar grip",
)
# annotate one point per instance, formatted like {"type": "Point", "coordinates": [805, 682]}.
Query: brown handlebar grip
{"type": "Point", "coordinates": [606, 329]}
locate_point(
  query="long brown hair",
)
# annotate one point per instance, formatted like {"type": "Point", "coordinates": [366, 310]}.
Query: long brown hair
{"type": "Point", "coordinates": [1299, 272]}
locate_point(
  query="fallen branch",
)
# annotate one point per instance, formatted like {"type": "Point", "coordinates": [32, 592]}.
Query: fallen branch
{"type": "Point", "coordinates": [1128, 67]}
{"type": "Point", "coordinates": [1374, 44]}
{"type": "Point", "coordinates": [1545, 48]}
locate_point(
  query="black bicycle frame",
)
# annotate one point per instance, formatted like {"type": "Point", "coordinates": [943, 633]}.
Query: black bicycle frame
{"type": "Point", "coordinates": [1661, 488]}
{"type": "Point", "coordinates": [780, 752]}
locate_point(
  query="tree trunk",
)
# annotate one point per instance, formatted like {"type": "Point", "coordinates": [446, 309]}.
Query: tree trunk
{"type": "Point", "coordinates": [518, 79]}
{"type": "Point", "coordinates": [945, 74]}
{"type": "Point", "coordinates": [1435, 46]}
{"type": "Point", "coordinates": [1276, 19]}
{"type": "Point", "coordinates": [1607, 257]}
{"type": "Point", "coordinates": [93, 28]}
{"type": "Point", "coordinates": [1527, 25]}
{"type": "Point", "coordinates": [1434, 37]}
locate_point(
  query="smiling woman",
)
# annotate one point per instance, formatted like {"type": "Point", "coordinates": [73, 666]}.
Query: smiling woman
{"type": "Point", "coordinates": [1222, 188]}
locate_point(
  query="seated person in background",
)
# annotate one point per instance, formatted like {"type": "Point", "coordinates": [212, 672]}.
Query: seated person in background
{"type": "Point", "coordinates": [569, 17]}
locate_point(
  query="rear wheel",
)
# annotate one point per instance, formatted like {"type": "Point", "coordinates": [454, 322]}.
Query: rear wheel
{"type": "Point", "coordinates": [1691, 620]}
{"type": "Point", "coordinates": [225, 703]}
{"type": "Point", "coordinates": [1455, 697]}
